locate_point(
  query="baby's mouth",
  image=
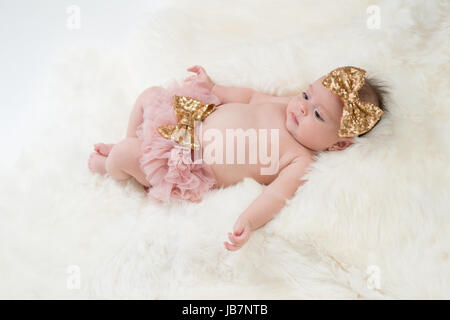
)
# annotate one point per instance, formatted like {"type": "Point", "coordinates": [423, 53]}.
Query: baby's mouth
{"type": "Point", "coordinates": [294, 117]}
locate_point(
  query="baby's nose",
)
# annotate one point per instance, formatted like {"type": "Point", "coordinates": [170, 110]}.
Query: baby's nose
{"type": "Point", "coordinates": [303, 109]}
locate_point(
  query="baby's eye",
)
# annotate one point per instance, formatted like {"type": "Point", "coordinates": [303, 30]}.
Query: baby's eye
{"type": "Point", "coordinates": [305, 96]}
{"type": "Point", "coordinates": [317, 114]}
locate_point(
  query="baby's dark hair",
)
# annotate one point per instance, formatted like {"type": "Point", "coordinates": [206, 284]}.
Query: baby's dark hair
{"type": "Point", "coordinates": [376, 92]}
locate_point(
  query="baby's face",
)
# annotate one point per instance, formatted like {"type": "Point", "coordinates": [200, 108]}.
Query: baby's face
{"type": "Point", "coordinates": [313, 118]}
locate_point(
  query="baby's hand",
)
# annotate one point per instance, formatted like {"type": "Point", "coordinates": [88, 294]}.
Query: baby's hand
{"type": "Point", "coordinates": [201, 78]}
{"type": "Point", "coordinates": [241, 233]}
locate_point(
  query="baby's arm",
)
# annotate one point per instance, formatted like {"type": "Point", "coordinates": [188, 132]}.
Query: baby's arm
{"type": "Point", "coordinates": [231, 94]}
{"type": "Point", "coordinates": [269, 203]}
{"type": "Point", "coordinates": [245, 95]}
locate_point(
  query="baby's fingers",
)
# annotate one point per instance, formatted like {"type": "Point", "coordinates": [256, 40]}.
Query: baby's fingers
{"type": "Point", "coordinates": [199, 70]}
{"type": "Point", "coordinates": [238, 230]}
{"type": "Point", "coordinates": [190, 78]}
{"type": "Point", "coordinates": [234, 239]}
{"type": "Point", "coordinates": [231, 247]}
{"type": "Point", "coordinates": [195, 69]}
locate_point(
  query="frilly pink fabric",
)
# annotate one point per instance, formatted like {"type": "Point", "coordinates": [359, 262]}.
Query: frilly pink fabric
{"type": "Point", "coordinates": [168, 166]}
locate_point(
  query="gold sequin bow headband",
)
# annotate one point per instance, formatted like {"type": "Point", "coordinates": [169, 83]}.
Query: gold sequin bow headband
{"type": "Point", "coordinates": [188, 110]}
{"type": "Point", "coordinates": [358, 116]}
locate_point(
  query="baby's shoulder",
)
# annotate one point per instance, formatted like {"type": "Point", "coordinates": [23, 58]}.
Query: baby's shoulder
{"type": "Point", "coordinates": [294, 170]}
{"type": "Point", "coordinates": [296, 157]}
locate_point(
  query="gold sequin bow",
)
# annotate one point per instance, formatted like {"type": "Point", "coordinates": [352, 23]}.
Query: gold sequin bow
{"type": "Point", "coordinates": [358, 116]}
{"type": "Point", "coordinates": [188, 111]}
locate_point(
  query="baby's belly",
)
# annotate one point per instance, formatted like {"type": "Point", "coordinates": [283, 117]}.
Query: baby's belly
{"type": "Point", "coordinates": [231, 140]}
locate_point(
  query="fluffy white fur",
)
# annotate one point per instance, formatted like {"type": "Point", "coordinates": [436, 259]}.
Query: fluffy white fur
{"type": "Point", "coordinates": [381, 204]}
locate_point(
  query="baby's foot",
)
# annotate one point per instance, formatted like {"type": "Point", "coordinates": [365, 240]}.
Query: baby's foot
{"type": "Point", "coordinates": [103, 148]}
{"type": "Point", "coordinates": [96, 163]}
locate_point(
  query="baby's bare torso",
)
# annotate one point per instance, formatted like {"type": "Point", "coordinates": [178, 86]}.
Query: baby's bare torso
{"type": "Point", "coordinates": [250, 118]}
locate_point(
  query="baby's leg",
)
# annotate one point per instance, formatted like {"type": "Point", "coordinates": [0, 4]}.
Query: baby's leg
{"type": "Point", "coordinates": [123, 161]}
{"type": "Point", "coordinates": [135, 120]}
{"type": "Point", "coordinates": [137, 112]}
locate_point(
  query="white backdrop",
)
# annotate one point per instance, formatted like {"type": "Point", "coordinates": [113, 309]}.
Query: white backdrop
{"type": "Point", "coordinates": [35, 33]}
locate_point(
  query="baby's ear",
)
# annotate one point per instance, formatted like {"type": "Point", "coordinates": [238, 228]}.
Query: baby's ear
{"type": "Point", "coordinates": [342, 144]}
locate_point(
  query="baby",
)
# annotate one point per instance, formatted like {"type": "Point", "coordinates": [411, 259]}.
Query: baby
{"type": "Point", "coordinates": [161, 142]}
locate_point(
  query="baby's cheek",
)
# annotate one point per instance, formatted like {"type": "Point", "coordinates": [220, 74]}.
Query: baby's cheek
{"type": "Point", "coordinates": [301, 134]}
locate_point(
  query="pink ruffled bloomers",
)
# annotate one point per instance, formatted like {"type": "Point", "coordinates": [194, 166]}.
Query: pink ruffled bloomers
{"type": "Point", "coordinates": [169, 167]}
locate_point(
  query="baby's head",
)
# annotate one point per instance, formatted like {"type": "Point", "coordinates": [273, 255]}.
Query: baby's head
{"type": "Point", "coordinates": [316, 118]}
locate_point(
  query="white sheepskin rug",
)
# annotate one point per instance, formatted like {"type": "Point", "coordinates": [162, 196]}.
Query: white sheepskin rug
{"type": "Point", "coordinates": [372, 222]}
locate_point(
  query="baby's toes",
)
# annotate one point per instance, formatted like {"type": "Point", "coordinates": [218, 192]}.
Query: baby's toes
{"type": "Point", "coordinates": [96, 163]}
{"type": "Point", "coordinates": [103, 148]}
